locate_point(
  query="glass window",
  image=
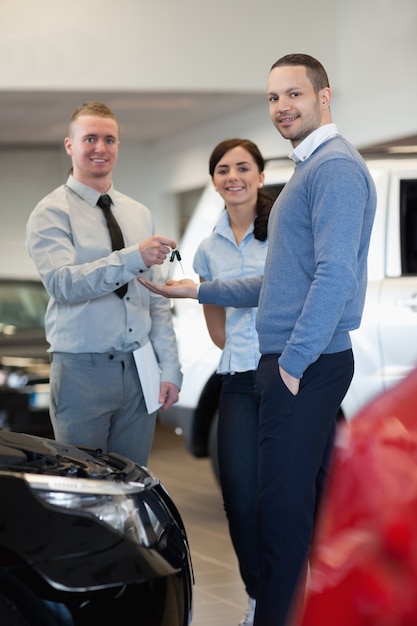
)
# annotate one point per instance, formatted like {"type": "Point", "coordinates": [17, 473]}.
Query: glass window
{"type": "Point", "coordinates": [408, 220]}
{"type": "Point", "coordinates": [22, 306]}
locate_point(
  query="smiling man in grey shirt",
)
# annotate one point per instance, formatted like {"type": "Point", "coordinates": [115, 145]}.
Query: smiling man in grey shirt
{"type": "Point", "coordinates": [96, 395]}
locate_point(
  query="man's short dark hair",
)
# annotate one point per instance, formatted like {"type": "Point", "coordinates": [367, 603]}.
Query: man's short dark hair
{"type": "Point", "coordinates": [316, 73]}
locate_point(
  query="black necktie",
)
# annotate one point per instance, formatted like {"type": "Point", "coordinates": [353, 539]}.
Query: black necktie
{"type": "Point", "coordinates": [104, 202]}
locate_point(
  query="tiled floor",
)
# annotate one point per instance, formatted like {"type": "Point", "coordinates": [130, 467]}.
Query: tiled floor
{"type": "Point", "coordinates": [219, 596]}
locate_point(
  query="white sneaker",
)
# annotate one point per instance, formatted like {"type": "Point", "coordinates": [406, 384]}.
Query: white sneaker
{"type": "Point", "coordinates": [249, 614]}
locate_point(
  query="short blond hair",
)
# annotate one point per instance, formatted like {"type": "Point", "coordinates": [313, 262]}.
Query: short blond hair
{"type": "Point", "coordinates": [94, 107]}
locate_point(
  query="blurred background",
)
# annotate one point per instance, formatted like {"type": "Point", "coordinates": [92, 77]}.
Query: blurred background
{"type": "Point", "coordinates": [180, 77]}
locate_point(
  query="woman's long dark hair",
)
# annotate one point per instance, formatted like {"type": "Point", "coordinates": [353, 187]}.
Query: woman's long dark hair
{"type": "Point", "coordinates": [264, 202]}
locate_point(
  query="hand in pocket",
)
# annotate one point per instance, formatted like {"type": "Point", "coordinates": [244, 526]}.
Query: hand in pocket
{"type": "Point", "coordinates": [292, 384]}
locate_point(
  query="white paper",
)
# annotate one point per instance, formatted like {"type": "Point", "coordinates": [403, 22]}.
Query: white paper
{"type": "Point", "coordinates": [149, 376]}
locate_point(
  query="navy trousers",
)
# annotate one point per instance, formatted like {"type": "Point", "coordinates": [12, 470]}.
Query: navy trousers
{"type": "Point", "coordinates": [238, 466]}
{"type": "Point", "coordinates": [296, 436]}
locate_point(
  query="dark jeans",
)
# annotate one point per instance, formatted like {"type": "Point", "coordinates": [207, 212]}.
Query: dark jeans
{"type": "Point", "coordinates": [238, 466]}
{"type": "Point", "coordinates": [295, 442]}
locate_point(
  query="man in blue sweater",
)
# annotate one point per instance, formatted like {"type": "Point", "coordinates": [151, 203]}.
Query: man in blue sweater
{"type": "Point", "coordinates": [310, 296]}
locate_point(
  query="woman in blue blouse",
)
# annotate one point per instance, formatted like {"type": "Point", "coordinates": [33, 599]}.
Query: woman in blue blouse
{"type": "Point", "coordinates": [237, 248]}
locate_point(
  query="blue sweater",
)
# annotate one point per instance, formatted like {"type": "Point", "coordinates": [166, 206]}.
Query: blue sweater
{"type": "Point", "coordinates": [314, 284]}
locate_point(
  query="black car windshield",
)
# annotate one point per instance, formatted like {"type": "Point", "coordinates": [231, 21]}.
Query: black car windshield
{"type": "Point", "coordinates": [22, 306]}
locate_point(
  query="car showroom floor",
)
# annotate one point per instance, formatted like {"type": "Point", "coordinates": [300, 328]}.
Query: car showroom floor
{"type": "Point", "coordinates": [219, 596]}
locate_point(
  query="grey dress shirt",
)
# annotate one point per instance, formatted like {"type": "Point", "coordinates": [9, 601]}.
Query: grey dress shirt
{"type": "Point", "coordinates": [69, 242]}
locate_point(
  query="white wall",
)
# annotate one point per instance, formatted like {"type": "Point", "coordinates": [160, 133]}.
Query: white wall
{"type": "Point", "coordinates": [26, 175]}
{"type": "Point", "coordinates": [377, 78]}
{"type": "Point", "coordinates": [137, 44]}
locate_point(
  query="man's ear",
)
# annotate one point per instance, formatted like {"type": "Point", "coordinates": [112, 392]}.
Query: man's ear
{"type": "Point", "coordinates": [68, 146]}
{"type": "Point", "coordinates": [326, 96]}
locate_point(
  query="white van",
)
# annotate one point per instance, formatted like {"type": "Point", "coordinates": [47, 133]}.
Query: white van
{"type": "Point", "coordinates": [385, 346]}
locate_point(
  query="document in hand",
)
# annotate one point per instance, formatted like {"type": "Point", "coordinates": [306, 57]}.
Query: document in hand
{"type": "Point", "coordinates": [149, 376]}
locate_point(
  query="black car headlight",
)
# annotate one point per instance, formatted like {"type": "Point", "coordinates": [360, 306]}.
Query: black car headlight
{"type": "Point", "coordinates": [121, 506]}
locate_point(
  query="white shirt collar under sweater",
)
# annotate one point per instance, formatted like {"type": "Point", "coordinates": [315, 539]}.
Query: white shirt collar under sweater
{"type": "Point", "coordinates": [306, 148]}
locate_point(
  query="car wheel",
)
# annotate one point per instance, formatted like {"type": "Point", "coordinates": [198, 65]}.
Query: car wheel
{"type": "Point", "coordinates": [212, 446]}
{"type": "Point", "coordinates": [204, 415]}
{"type": "Point", "coordinates": [19, 606]}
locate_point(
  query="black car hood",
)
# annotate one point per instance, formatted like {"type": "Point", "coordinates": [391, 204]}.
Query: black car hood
{"type": "Point", "coordinates": [20, 452]}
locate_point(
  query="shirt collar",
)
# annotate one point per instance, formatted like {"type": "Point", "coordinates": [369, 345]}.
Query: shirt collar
{"type": "Point", "coordinates": [88, 194]}
{"type": "Point", "coordinates": [306, 148]}
{"type": "Point", "coordinates": [224, 228]}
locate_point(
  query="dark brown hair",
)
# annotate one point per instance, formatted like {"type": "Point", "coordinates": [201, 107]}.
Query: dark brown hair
{"type": "Point", "coordinates": [264, 202]}
{"type": "Point", "coordinates": [316, 73]}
